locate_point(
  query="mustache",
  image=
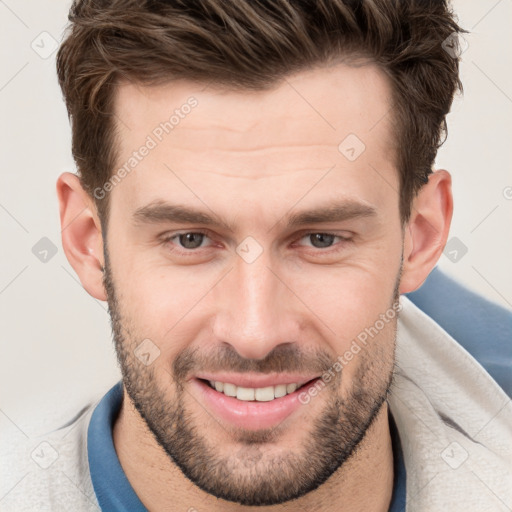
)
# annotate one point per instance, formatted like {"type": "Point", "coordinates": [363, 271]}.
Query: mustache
{"type": "Point", "coordinates": [283, 358]}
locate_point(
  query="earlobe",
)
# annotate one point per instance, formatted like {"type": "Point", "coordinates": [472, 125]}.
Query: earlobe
{"type": "Point", "coordinates": [427, 230]}
{"type": "Point", "coordinates": [81, 234]}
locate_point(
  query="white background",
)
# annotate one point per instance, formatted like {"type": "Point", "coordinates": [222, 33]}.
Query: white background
{"type": "Point", "coordinates": [56, 340]}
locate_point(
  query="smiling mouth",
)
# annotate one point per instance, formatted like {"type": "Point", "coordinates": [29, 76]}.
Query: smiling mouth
{"type": "Point", "coordinates": [264, 394]}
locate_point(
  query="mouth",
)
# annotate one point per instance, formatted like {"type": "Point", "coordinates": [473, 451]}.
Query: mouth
{"type": "Point", "coordinates": [251, 408]}
{"type": "Point", "coordinates": [256, 394]}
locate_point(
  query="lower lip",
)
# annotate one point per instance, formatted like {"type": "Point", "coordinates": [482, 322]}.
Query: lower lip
{"type": "Point", "coordinates": [250, 415]}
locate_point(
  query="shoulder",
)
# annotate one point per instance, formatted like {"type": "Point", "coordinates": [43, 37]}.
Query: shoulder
{"type": "Point", "coordinates": [48, 471]}
{"type": "Point", "coordinates": [482, 328]}
{"type": "Point", "coordinates": [451, 414]}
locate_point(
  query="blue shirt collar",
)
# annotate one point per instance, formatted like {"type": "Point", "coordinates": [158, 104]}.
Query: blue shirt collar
{"type": "Point", "coordinates": [398, 498]}
{"type": "Point", "coordinates": [113, 490]}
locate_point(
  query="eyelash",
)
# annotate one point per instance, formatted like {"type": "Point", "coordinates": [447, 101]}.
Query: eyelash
{"type": "Point", "coordinates": [191, 252]}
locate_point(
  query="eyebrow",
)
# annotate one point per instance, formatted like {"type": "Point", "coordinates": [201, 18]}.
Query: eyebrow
{"type": "Point", "coordinates": [161, 211]}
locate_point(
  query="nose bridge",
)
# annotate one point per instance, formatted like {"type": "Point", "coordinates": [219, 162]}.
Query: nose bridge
{"type": "Point", "coordinates": [255, 308]}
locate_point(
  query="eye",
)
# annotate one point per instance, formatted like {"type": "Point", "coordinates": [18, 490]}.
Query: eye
{"type": "Point", "coordinates": [189, 240]}
{"type": "Point", "coordinates": [323, 240]}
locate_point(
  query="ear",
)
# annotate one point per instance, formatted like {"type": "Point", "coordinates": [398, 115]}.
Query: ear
{"type": "Point", "coordinates": [427, 230]}
{"type": "Point", "coordinates": [82, 238]}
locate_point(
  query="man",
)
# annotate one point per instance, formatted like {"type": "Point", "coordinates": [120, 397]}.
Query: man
{"type": "Point", "coordinates": [255, 194]}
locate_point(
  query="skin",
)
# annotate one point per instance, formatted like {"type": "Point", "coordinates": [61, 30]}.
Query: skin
{"type": "Point", "coordinates": [253, 158]}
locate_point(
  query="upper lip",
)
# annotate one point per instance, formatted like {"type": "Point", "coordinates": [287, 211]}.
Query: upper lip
{"type": "Point", "coordinates": [257, 381]}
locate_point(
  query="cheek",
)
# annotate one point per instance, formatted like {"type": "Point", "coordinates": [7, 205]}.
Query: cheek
{"type": "Point", "coordinates": [165, 306]}
{"type": "Point", "coordinates": [348, 299]}
{"type": "Point", "coordinates": [152, 290]}
{"type": "Point", "coordinates": [358, 320]}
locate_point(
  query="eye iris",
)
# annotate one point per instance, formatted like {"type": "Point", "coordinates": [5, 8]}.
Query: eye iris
{"type": "Point", "coordinates": [324, 239]}
{"type": "Point", "coordinates": [191, 240]}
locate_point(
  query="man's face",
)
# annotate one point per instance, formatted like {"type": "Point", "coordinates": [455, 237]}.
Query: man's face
{"type": "Point", "coordinates": [254, 298]}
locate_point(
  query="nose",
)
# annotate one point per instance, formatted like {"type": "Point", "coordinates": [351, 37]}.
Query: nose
{"type": "Point", "coordinates": [256, 311]}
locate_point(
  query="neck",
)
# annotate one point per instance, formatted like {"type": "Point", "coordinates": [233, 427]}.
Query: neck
{"type": "Point", "coordinates": [363, 483]}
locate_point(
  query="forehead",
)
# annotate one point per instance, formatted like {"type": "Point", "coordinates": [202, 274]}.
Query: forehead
{"type": "Point", "coordinates": [332, 121]}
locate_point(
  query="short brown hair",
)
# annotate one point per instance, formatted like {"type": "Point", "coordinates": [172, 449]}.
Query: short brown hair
{"type": "Point", "coordinates": [252, 44]}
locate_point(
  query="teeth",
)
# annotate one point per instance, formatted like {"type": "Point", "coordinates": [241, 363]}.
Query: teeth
{"type": "Point", "coordinates": [280, 390]}
{"type": "Point", "coordinates": [258, 394]}
{"type": "Point", "coordinates": [229, 389]}
{"type": "Point", "coordinates": [264, 394]}
{"type": "Point", "coordinates": [290, 388]}
{"type": "Point", "coordinates": [244, 393]}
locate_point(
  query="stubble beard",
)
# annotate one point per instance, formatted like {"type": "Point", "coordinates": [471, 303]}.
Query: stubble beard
{"type": "Point", "coordinates": [251, 475]}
